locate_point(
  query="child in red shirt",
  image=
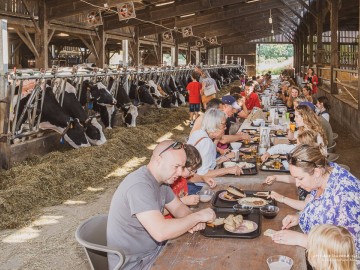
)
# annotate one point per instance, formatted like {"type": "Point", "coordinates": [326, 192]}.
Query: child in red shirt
{"type": "Point", "coordinates": [194, 88]}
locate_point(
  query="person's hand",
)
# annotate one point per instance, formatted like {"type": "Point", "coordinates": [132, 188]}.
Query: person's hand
{"type": "Point", "coordinates": [223, 151]}
{"type": "Point", "coordinates": [244, 136]}
{"type": "Point", "coordinates": [290, 221]}
{"type": "Point", "coordinates": [235, 170]}
{"type": "Point", "coordinates": [287, 237]}
{"type": "Point", "coordinates": [190, 199]}
{"type": "Point", "coordinates": [265, 157]}
{"type": "Point", "coordinates": [270, 180]}
{"type": "Point", "coordinates": [206, 215]}
{"type": "Point", "coordinates": [198, 227]}
{"type": "Point", "coordinates": [291, 135]}
{"type": "Point", "coordinates": [274, 195]}
{"type": "Point", "coordinates": [210, 181]}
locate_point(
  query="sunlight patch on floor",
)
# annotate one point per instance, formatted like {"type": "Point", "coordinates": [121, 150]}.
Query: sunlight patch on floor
{"type": "Point", "coordinates": [127, 167]}
{"type": "Point", "coordinates": [179, 127]}
{"type": "Point", "coordinates": [27, 233]}
{"type": "Point", "coordinates": [92, 189]}
{"type": "Point", "coordinates": [167, 136]}
{"type": "Point", "coordinates": [71, 202]}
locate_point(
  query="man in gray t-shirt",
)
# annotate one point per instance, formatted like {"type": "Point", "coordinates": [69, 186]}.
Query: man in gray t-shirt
{"type": "Point", "coordinates": [136, 223]}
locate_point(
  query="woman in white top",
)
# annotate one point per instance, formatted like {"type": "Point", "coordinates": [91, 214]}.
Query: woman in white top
{"type": "Point", "coordinates": [212, 128]}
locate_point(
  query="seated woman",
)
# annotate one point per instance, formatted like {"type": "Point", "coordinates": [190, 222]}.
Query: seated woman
{"type": "Point", "coordinates": [334, 197]}
{"type": "Point", "coordinates": [306, 137]}
{"type": "Point", "coordinates": [212, 128]}
{"type": "Point", "coordinates": [331, 248]}
{"type": "Point", "coordinates": [323, 107]}
{"type": "Point", "coordinates": [306, 119]}
{"type": "Point", "coordinates": [295, 92]}
{"type": "Point", "coordinates": [306, 90]}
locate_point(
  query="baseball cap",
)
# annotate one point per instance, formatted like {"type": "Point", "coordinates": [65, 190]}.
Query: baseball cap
{"type": "Point", "coordinates": [230, 100]}
{"type": "Point", "coordinates": [307, 103]}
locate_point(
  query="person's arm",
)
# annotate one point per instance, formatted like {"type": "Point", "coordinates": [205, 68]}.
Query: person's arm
{"type": "Point", "coordinates": [296, 204]}
{"type": "Point", "coordinates": [162, 229]}
{"type": "Point", "coordinates": [203, 85]}
{"type": "Point", "coordinates": [279, 178]}
{"type": "Point", "coordinates": [234, 138]}
{"type": "Point", "coordinates": [236, 170]}
{"type": "Point", "coordinates": [281, 149]}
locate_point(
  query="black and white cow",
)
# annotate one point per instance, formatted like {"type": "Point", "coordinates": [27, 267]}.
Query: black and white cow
{"type": "Point", "coordinates": [53, 117]}
{"type": "Point", "coordinates": [123, 103]}
{"type": "Point", "coordinates": [101, 100]}
{"type": "Point", "coordinates": [72, 107]}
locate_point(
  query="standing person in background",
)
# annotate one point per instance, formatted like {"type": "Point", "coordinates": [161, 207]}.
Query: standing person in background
{"type": "Point", "coordinates": [209, 88]}
{"type": "Point", "coordinates": [194, 88]}
{"type": "Point", "coordinates": [312, 80]}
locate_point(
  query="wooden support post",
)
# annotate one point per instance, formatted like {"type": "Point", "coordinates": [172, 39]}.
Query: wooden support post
{"type": "Point", "coordinates": [188, 54]}
{"type": "Point", "coordinates": [4, 98]}
{"type": "Point", "coordinates": [100, 47]}
{"type": "Point", "coordinates": [359, 64]}
{"type": "Point", "coordinates": [125, 50]}
{"type": "Point", "coordinates": [295, 55]}
{"type": "Point", "coordinates": [176, 61]}
{"type": "Point", "coordinates": [135, 47]}
{"type": "Point", "coordinates": [334, 27]}
{"type": "Point", "coordinates": [159, 51]}
{"type": "Point", "coordinates": [41, 38]}
{"type": "Point", "coordinates": [319, 32]}
{"type": "Point", "coordinates": [305, 42]}
{"type": "Point", "coordinates": [197, 57]}
{"type": "Point", "coordinates": [311, 44]}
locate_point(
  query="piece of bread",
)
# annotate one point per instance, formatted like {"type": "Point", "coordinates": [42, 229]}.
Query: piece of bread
{"type": "Point", "coordinates": [238, 220]}
{"type": "Point", "coordinates": [230, 220]}
{"type": "Point", "coordinates": [216, 222]}
{"type": "Point", "coordinates": [235, 191]}
{"type": "Point", "coordinates": [228, 196]}
{"type": "Point", "coordinates": [270, 232]}
{"type": "Point", "coordinates": [229, 228]}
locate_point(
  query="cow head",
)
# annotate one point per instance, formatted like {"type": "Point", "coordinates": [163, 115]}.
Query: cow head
{"type": "Point", "coordinates": [101, 95]}
{"type": "Point", "coordinates": [130, 115]}
{"type": "Point", "coordinates": [94, 132]}
{"type": "Point", "coordinates": [74, 134]}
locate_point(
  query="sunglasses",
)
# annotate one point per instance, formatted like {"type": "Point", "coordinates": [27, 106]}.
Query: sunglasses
{"type": "Point", "coordinates": [292, 160]}
{"type": "Point", "coordinates": [175, 146]}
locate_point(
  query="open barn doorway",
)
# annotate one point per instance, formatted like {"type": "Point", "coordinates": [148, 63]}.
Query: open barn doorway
{"type": "Point", "coordinates": [274, 58]}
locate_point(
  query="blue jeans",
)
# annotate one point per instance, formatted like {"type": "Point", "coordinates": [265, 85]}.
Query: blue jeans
{"type": "Point", "coordinates": [193, 189]}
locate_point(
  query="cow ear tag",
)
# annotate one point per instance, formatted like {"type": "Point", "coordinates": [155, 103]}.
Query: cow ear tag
{"type": "Point", "coordinates": [62, 140]}
{"type": "Point", "coordinates": [90, 105]}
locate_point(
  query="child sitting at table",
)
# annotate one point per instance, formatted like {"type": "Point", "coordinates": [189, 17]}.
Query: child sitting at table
{"type": "Point", "coordinates": [331, 247]}
{"type": "Point", "coordinates": [180, 186]}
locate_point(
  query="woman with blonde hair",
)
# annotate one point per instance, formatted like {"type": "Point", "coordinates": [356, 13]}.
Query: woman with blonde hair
{"type": "Point", "coordinates": [306, 119]}
{"type": "Point", "coordinates": [331, 248]}
{"type": "Point", "coordinates": [294, 93]}
{"type": "Point", "coordinates": [334, 197]}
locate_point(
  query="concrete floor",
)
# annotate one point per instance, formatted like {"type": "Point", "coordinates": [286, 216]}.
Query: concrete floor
{"type": "Point", "coordinates": [348, 148]}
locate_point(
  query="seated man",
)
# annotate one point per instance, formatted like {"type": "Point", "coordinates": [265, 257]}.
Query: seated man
{"type": "Point", "coordinates": [136, 223]}
{"type": "Point", "coordinates": [252, 99]}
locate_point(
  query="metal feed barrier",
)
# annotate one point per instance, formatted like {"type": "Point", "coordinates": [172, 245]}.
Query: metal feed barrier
{"type": "Point", "coordinates": [58, 78]}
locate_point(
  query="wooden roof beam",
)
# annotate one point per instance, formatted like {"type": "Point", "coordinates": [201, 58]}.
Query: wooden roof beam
{"type": "Point", "coordinates": [307, 7]}
{"type": "Point", "coordinates": [170, 11]}
{"type": "Point", "coordinates": [210, 17]}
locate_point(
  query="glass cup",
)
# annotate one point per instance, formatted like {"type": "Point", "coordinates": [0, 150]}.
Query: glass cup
{"type": "Point", "coordinates": [277, 164]}
{"type": "Point", "coordinates": [246, 141]}
{"type": "Point", "coordinates": [292, 127]}
{"type": "Point", "coordinates": [253, 151]}
{"type": "Point", "coordinates": [258, 159]}
{"type": "Point", "coordinates": [280, 262]}
{"type": "Point", "coordinates": [287, 115]}
{"type": "Point", "coordinates": [276, 121]}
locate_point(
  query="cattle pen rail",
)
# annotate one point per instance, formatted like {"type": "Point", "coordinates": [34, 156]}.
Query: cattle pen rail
{"type": "Point", "coordinates": [14, 118]}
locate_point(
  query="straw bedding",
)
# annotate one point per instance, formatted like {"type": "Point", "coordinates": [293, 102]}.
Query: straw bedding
{"type": "Point", "coordinates": [59, 176]}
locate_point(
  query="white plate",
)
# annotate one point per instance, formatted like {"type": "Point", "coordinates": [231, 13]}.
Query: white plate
{"type": "Point", "coordinates": [245, 165]}
{"type": "Point", "coordinates": [221, 196]}
{"type": "Point", "coordinates": [252, 201]}
{"type": "Point", "coordinates": [247, 226]}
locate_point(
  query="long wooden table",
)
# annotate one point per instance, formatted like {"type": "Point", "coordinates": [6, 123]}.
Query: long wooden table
{"type": "Point", "coordinates": [195, 251]}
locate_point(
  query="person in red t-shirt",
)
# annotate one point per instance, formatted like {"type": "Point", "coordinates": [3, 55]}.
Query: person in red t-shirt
{"type": "Point", "coordinates": [194, 88]}
{"type": "Point", "coordinates": [180, 186]}
{"type": "Point", "coordinates": [251, 98]}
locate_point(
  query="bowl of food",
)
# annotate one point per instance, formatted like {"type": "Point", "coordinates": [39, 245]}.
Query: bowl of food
{"type": "Point", "coordinates": [269, 211]}
{"type": "Point", "coordinates": [228, 164]}
{"type": "Point", "coordinates": [205, 195]}
{"type": "Point", "coordinates": [280, 262]}
{"type": "Point", "coordinates": [242, 209]}
{"type": "Point", "coordinates": [235, 145]}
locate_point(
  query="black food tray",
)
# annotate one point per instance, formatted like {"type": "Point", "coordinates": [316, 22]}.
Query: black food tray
{"type": "Point", "coordinates": [220, 232]}
{"type": "Point", "coordinates": [219, 203]}
{"type": "Point", "coordinates": [271, 169]}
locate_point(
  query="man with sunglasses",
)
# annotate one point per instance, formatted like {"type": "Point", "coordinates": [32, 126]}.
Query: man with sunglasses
{"type": "Point", "coordinates": [136, 223]}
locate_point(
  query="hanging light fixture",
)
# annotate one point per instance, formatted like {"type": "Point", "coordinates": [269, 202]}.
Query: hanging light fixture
{"type": "Point", "coordinates": [270, 18]}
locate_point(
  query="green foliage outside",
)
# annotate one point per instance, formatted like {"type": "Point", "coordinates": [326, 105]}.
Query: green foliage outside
{"type": "Point", "coordinates": [274, 57]}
